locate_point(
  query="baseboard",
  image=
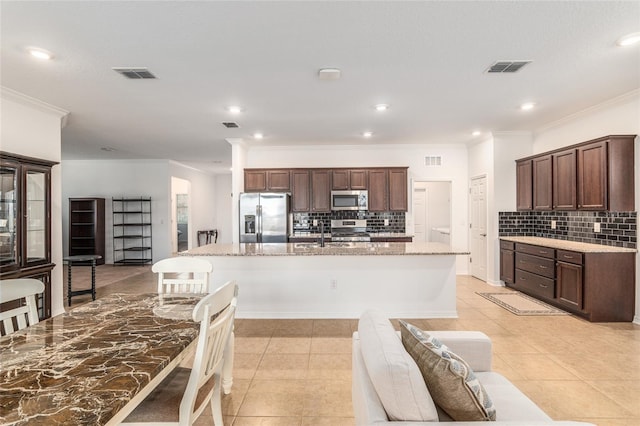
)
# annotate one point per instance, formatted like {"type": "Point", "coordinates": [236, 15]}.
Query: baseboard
{"type": "Point", "coordinates": [636, 319]}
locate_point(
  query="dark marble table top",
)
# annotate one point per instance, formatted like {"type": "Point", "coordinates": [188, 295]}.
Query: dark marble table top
{"type": "Point", "coordinates": [82, 367]}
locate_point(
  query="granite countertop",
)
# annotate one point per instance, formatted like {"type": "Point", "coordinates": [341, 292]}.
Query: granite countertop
{"type": "Point", "coordinates": [569, 245]}
{"type": "Point", "coordinates": [304, 234]}
{"type": "Point", "coordinates": [330, 249]}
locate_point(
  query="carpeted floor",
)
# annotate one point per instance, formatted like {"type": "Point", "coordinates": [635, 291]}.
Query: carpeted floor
{"type": "Point", "coordinates": [521, 304]}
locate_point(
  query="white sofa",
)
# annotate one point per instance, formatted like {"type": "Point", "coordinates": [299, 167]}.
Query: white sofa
{"type": "Point", "coordinates": [512, 406]}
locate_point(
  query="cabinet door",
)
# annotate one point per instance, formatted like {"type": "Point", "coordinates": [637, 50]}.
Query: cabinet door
{"type": "Point", "coordinates": [36, 237]}
{"type": "Point", "coordinates": [524, 182]}
{"type": "Point", "coordinates": [300, 191]}
{"type": "Point", "coordinates": [320, 191]}
{"type": "Point", "coordinates": [564, 180]}
{"type": "Point", "coordinates": [9, 220]}
{"type": "Point", "coordinates": [358, 179]}
{"type": "Point", "coordinates": [542, 183]}
{"type": "Point", "coordinates": [398, 190]}
{"type": "Point", "coordinates": [340, 180]}
{"type": "Point", "coordinates": [255, 180]}
{"type": "Point", "coordinates": [592, 176]}
{"type": "Point", "coordinates": [569, 285]}
{"type": "Point", "coordinates": [507, 266]}
{"type": "Point", "coordinates": [378, 192]}
{"type": "Point", "coordinates": [278, 180]}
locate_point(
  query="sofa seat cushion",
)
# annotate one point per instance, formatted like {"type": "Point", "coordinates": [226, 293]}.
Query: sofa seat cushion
{"type": "Point", "coordinates": [393, 373]}
{"type": "Point", "coordinates": [451, 382]}
{"type": "Point", "coordinates": [511, 404]}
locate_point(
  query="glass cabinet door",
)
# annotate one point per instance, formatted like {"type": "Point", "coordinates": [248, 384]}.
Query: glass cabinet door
{"type": "Point", "coordinates": [8, 215]}
{"type": "Point", "coordinates": [36, 230]}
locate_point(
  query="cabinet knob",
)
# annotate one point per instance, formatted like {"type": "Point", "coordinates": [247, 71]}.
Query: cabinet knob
{"type": "Point", "coordinates": [543, 286]}
{"type": "Point", "coordinates": [542, 267]}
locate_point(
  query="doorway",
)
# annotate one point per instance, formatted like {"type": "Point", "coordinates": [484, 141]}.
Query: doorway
{"type": "Point", "coordinates": [432, 211]}
{"type": "Point", "coordinates": [180, 215]}
{"type": "Point", "coordinates": [478, 225]}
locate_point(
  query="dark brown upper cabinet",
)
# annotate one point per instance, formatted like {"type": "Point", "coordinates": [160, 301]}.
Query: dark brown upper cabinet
{"type": "Point", "coordinates": [597, 174]}
{"type": "Point", "coordinates": [255, 180]}
{"type": "Point", "coordinates": [320, 190]}
{"type": "Point", "coordinates": [524, 185]}
{"type": "Point", "coordinates": [348, 179]}
{"type": "Point", "coordinates": [398, 190]}
{"type": "Point", "coordinates": [276, 180]}
{"type": "Point", "coordinates": [564, 180]}
{"type": "Point", "coordinates": [542, 183]}
{"type": "Point", "coordinates": [378, 190]}
{"type": "Point", "coordinates": [359, 179]}
{"type": "Point", "coordinates": [300, 191]}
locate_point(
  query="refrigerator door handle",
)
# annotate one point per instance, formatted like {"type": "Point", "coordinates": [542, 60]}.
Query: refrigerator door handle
{"type": "Point", "coordinates": [259, 223]}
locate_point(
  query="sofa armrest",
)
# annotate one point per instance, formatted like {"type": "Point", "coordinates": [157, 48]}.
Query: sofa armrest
{"type": "Point", "coordinates": [473, 346]}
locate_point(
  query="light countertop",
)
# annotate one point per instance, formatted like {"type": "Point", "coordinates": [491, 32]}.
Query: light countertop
{"type": "Point", "coordinates": [304, 234]}
{"type": "Point", "coordinates": [330, 249]}
{"type": "Point", "coordinates": [569, 245]}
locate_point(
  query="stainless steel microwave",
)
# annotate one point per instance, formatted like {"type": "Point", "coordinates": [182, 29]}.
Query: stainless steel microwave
{"type": "Point", "coordinates": [349, 200]}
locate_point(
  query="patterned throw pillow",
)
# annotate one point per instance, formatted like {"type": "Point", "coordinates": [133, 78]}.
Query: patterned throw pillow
{"type": "Point", "coordinates": [451, 382]}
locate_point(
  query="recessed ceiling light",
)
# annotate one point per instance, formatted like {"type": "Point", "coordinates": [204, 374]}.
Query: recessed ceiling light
{"type": "Point", "coordinates": [382, 107]}
{"type": "Point", "coordinates": [36, 52]}
{"type": "Point", "coordinates": [258, 135]}
{"type": "Point", "coordinates": [527, 106]}
{"type": "Point", "coordinates": [476, 133]}
{"type": "Point", "coordinates": [234, 109]}
{"type": "Point", "coordinates": [629, 39]}
{"type": "Point", "coordinates": [367, 134]}
{"type": "Point", "coordinates": [329, 74]}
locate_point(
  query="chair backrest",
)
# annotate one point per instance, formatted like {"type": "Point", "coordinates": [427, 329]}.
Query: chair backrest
{"type": "Point", "coordinates": [183, 275]}
{"type": "Point", "coordinates": [216, 313]}
{"type": "Point", "coordinates": [24, 315]}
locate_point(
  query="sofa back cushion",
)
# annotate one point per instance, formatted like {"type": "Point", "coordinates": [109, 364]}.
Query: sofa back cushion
{"type": "Point", "coordinates": [450, 380]}
{"type": "Point", "coordinates": [393, 373]}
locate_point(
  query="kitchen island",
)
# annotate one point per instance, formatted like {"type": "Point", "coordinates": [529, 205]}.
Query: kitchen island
{"type": "Point", "coordinates": [340, 280]}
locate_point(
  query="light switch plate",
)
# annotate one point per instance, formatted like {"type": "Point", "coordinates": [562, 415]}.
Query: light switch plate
{"type": "Point", "coordinates": [553, 224]}
{"type": "Point", "coordinates": [596, 227]}
{"type": "Point", "coordinates": [315, 222]}
{"type": "Point", "coordinates": [386, 222]}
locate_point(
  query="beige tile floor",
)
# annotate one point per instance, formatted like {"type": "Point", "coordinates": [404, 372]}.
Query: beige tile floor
{"type": "Point", "coordinates": [298, 372]}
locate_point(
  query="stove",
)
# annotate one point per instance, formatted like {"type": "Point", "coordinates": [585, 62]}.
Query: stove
{"type": "Point", "coordinates": [349, 230]}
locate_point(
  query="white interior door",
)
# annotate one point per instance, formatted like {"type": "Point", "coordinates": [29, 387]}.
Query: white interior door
{"type": "Point", "coordinates": [420, 219]}
{"type": "Point", "coordinates": [479, 227]}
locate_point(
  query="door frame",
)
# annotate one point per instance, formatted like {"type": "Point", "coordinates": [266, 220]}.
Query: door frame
{"type": "Point", "coordinates": [426, 180]}
{"type": "Point", "coordinates": [486, 225]}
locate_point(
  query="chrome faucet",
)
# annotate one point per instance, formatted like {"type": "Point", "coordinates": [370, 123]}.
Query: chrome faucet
{"type": "Point", "coordinates": [321, 234]}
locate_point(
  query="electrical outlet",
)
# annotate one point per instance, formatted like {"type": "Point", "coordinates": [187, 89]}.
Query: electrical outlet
{"type": "Point", "coordinates": [553, 224]}
{"type": "Point", "coordinates": [386, 222]}
{"type": "Point", "coordinates": [333, 284]}
{"type": "Point", "coordinates": [315, 222]}
{"type": "Point", "coordinates": [596, 227]}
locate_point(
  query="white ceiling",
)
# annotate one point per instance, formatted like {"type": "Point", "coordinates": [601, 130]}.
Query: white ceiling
{"type": "Point", "coordinates": [425, 59]}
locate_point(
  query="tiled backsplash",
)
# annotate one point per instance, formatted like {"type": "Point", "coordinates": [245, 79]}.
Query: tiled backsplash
{"type": "Point", "coordinates": [616, 228]}
{"type": "Point", "coordinates": [375, 221]}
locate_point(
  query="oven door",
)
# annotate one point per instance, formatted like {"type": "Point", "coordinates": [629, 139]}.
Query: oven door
{"type": "Point", "coordinates": [349, 200]}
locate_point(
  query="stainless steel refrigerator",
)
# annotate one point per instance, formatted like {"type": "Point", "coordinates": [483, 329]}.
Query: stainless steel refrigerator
{"type": "Point", "coordinates": [264, 217]}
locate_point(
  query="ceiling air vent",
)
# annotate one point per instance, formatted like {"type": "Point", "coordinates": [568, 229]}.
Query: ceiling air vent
{"type": "Point", "coordinates": [433, 160]}
{"type": "Point", "coordinates": [507, 66]}
{"type": "Point", "coordinates": [135, 73]}
{"type": "Point", "coordinates": [230, 125]}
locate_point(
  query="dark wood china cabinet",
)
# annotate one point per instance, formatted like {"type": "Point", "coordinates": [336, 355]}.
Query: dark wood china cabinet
{"type": "Point", "coordinates": [25, 223]}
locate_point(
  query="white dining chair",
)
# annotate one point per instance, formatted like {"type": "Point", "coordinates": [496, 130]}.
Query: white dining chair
{"type": "Point", "coordinates": [183, 275]}
{"type": "Point", "coordinates": [183, 396]}
{"type": "Point", "coordinates": [24, 315]}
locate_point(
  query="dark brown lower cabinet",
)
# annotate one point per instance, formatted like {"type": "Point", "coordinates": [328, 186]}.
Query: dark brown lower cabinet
{"type": "Point", "coordinates": [597, 286]}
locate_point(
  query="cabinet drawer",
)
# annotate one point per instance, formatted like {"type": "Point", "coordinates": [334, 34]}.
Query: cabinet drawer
{"type": "Point", "coordinates": [535, 264]}
{"type": "Point", "coordinates": [507, 245]}
{"type": "Point", "coordinates": [536, 284]}
{"type": "Point", "coordinates": [535, 250]}
{"type": "Point", "coordinates": [569, 257]}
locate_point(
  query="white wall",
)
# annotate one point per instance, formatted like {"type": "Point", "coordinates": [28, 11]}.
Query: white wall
{"type": "Point", "coordinates": [203, 199]}
{"type": "Point", "coordinates": [32, 128]}
{"type": "Point", "coordinates": [454, 169]}
{"type": "Point", "coordinates": [121, 178]}
{"type": "Point", "coordinates": [224, 209]}
{"type": "Point", "coordinates": [619, 116]}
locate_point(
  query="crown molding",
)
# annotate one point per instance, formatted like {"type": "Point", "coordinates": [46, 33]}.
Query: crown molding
{"type": "Point", "coordinates": [21, 98]}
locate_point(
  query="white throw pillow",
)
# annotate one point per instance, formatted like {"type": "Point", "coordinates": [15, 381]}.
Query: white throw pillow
{"type": "Point", "coordinates": [394, 374]}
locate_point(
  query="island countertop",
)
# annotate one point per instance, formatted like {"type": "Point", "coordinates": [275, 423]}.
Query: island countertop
{"type": "Point", "coordinates": [330, 249]}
